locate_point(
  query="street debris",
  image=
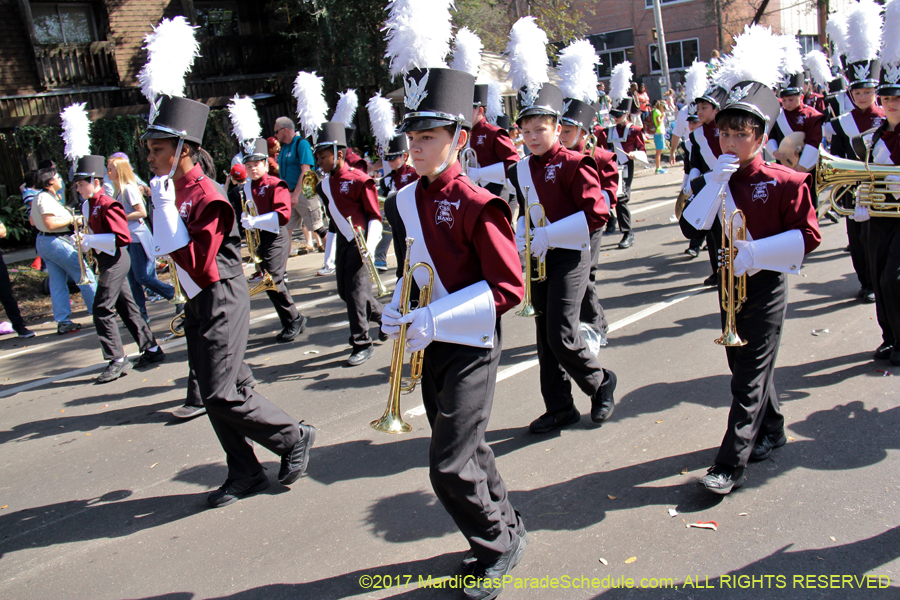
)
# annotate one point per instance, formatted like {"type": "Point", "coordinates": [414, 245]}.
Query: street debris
{"type": "Point", "coordinates": [603, 561]}
{"type": "Point", "coordinates": [673, 512]}
{"type": "Point", "coordinates": [628, 561]}
{"type": "Point", "coordinates": [705, 525]}
{"type": "Point", "coordinates": [818, 332]}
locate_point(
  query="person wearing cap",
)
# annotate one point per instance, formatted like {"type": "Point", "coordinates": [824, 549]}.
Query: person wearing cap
{"type": "Point", "coordinates": [463, 233]}
{"type": "Point", "coordinates": [575, 127]}
{"type": "Point", "coordinates": [568, 188]}
{"type": "Point", "coordinates": [349, 195]}
{"type": "Point", "coordinates": [273, 148]}
{"type": "Point", "coordinates": [396, 156]}
{"type": "Point", "coordinates": [494, 149]}
{"type": "Point", "coordinates": [109, 240]}
{"type": "Point", "coordinates": [625, 140]}
{"type": "Point", "coordinates": [781, 228]}
{"type": "Point", "coordinates": [294, 159]}
{"type": "Point", "coordinates": [705, 151]}
{"type": "Point", "coordinates": [196, 226]}
{"type": "Point", "coordinates": [866, 114]}
{"type": "Point", "coordinates": [796, 118]}
{"type": "Point", "coordinates": [273, 205]}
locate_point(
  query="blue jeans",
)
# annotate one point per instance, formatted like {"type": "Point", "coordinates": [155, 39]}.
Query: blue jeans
{"type": "Point", "coordinates": [143, 273]}
{"type": "Point", "coordinates": [62, 265]}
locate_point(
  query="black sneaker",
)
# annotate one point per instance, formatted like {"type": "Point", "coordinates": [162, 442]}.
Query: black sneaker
{"type": "Point", "coordinates": [627, 240]}
{"type": "Point", "coordinates": [114, 370]}
{"type": "Point", "coordinates": [293, 464]}
{"type": "Point", "coordinates": [883, 352]}
{"type": "Point", "coordinates": [721, 479]}
{"type": "Point", "coordinates": [150, 357]}
{"type": "Point", "coordinates": [289, 333]}
{"type": "Point", "coordinates": [24, 332]}
{"type": "Point", "coordinates": [189, 411]}
{"type": "Point", "coordinates": [765, 444]}
{"type": "Point", "coordinates": [235, 489]}
{"type": "Point", "coordinates": [487, 582]}
{"type": "Point", "coordinates": [603, 403]}
{"type": "Point", "coordinates": [360, 356]}
{"type": "Point", "coordinates": [67, 327]}
{"type": "Point", "coordinates": [712, 280]}
{"type": "Point", "coordinates": [547, 422]}
{"type": "Point", "coordinates": [692, 252]}
{"type": "Point", "coordinates": [469, 561]}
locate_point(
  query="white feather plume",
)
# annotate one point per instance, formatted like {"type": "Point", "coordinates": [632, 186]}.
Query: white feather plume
{"type": "Point", "coordinates": [864, 31]}
{"type": "Point", "coordinates": [755, 56]}
{"type": "Point", "coordinates": [817, 63]}
{"type": "Point", "coordinates": [577, 70]}
{"type": "Point", "coordinates": [494, 106]}
{"type": "Point", "coordinates": [792, 59]}
{"type": "Point", "coordinates": [836, 29]}
{"type": "Point", "coordinates": [890, 52]}
{"type": "Point", "coordinates": [418, 34]}
{"type": "Point", "coordinates": [528, 62]}
{"type": "Point", "coordinates": [244, 119]}
{"type": "Point", "coordinates": [619, 82]}
{"type": "Point", "coordinates": [467, 52]}
{"type": "Point", "coordinates": [76, 128]}
{"type": "Point", "coordinates": [695, 80]}
{"type": "Point", "coordinates": [171, 49]}
{"type": "Point", "coordinates": [381, 118]}
{"type": "Point", "coordinates": [346, 108]}
{"type": "Point", "coordinates": [312, 110]}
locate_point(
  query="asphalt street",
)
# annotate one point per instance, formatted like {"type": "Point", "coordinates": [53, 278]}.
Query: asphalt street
{"type": "Point", "coordinates": [103, 493]}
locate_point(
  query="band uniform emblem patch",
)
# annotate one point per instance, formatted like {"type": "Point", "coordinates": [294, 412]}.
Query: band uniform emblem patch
{"type": "Point", "coordinates": [345, 187]}
{"type": "Point", "coordinates": [185, 210]}
{"type": "Point", "coordinates": [761, 190]}
{"type": "Point", "coordinates": [444, 214]}
{"type": "Point", "coordinates": [404, 178]}
{"type": "Point", "coordinates": [550, 172]}
{"type": "Point", "coordinates": [479, 140]}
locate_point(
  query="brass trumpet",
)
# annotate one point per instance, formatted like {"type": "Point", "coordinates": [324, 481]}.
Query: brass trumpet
{"type": "Point", "coordinates": [80, 229]}
{"type": "Point", "coordinates": [468, 160]}
{"type": "Point", "coordinates": [251, 237]}
{"type": "Point", "coordinates": [392, 420]}
{"type": "Point", "coordinates": [874, 192]}
{"type": "Point", "coordinates": [308, 183]}
{"type": "Point", "coordinates": [360, 238]}
{"type": "Point", "coordinates": [590, 144]}
{"type": "Point", "coordinates": [176, 325]}
{"type": "Point", "coordinates": [733, 289]}
{"type": "Point", "coordinates": [528, 309]}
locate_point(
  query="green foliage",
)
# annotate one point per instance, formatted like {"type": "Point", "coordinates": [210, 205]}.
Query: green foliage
{"type": "Point", "coordinates": [14, 216]}
{"type": "Point", "coordinates": [218, 141]}
{"type": "Point", "coordinates": [563, 20]}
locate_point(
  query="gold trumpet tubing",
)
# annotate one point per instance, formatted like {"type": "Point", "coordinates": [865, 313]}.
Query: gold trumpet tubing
{"type": "Point", "coordinates": [541, 222]}
{"type": "Point", "coordinates": [251, 236]}
{"type": "Point", "coordinates": [369, 264]}
{"type": "Point", "coordinates": [265, 285]}
{"type": "Point", "coordinates": [179, 297]}
{"type": "Point", "coordinates": [733, 288]}
{"type": "Point", "coordinates": [527, 309]}
{"type": "Point", "coordinates": [417, 359]}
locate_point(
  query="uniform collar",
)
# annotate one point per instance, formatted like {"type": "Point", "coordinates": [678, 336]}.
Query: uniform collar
{"type": "Point", "coordinates": [549, 155]}
{"type": "Point", "coordinates": [345, 168]}
{"type": "Point", "coordinates": [753, 168]}
{"type": "Point", "coordinates": [192, 176]}
{"type": "Point", "coordinates": [442, 180]}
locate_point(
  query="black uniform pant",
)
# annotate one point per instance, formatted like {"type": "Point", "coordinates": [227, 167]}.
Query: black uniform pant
{"type": "Point", "coordinates": [217, 325]}
{"type": "Point", "coordinates": [884, 270]}
{"type": "Point", "coordinates": [398, 230]}
{"type": "Point", "coordinates": [754, 399]}
{"type": "Point", "coordinates": [114, 295]}
{"type": "Point", "coordinates": [8, 300]}
{"type": "Point", "coordinates": [562, 350]}
{"type": "Point", "coordinates": [458, 392]}
{"type": "Point", "coordinates": [857, 237]}
{"type": "Point", "coordinates": [623, 213]}
{"type": "Point", "coordinates": [274, 249]}
{"type": "Point", "coordinates": [591, 310]}
{"type": "Point", "coordinates": [355, 288]}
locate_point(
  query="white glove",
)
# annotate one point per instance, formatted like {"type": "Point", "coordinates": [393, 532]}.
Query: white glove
{"type": "Point", "coordinates": [390, 321]}
{"type": "Point", "coordinates": [520, 236]}
{"type": "Point", "coordinates": [540, 243]}
{"type": "Point", "coordinates": [162, 192]}
{"type": "Point", "coordinates": [247, 221]}
{"type": "Point", "coordinates": [861, 213]}
{"type": "Point", "coordinates": [726, 166]}
{"type": "Point", "coordinates": [743, 262]}
{"type": "Point", "coordinates": [419, 328]}
{"type": "Point", "coordinates": [86, 242]}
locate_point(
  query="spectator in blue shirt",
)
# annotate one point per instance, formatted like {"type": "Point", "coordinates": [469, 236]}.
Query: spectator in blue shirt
{"type": "Point", "coordinates": [295, 159]}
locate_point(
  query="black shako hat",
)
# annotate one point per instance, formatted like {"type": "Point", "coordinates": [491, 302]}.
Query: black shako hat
{"type": "Point", "coordinates": [177, 117]}
{"type": "Point", "coordinates": [547, 101]}
{"type": "Point", "coordinates": [754, 98]}
{"type": "Point", "coordinates": [89, 167]}
{"type": "Point", "coordinates": [398, 145]}
{"type": "Point", "coordinates": [578, 113]}
{"type": "Point", "coordinates": [437, 98]}
{"type": "Point", "coordinates": [836, 85]}
{"type": "Point", "coordinates": [863, 74]}
{"type": "Point", "coordinates": [890, 80]}
{"type": "Point", "coordinates": [503, 122]}
{"type": "Point", "coordinates": [256, 149]}
{"type": "Point", "coordinates": [692, 113]}
{"type": "Point", "coordinates": [622, 108]}
{"type": "Point", "coordinates": [714, 95]}
{"type": "Point", "coordinates": [349, 134]}
{"type": "Point", "coordinates": [331, 134]}
{"type": "Point", "coordinates": [481, 95]}
{"type": "Point", "coordinates": [792, 84]}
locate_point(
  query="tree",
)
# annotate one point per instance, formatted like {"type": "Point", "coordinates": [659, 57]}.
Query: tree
{"type": "Point", "coordinates": [563, 20]}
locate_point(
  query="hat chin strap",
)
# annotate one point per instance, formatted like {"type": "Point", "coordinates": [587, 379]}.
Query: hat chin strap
{"type": "Point", "coordinates": [178, 148]}
{"type": "Point", "coordinates": [765, 139]}
{"type": "Point", "coordinates": [437, 172]}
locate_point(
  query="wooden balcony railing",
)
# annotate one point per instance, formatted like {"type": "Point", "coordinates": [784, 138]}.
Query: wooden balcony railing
{"type": "Point", "coordinates": [70, 65]}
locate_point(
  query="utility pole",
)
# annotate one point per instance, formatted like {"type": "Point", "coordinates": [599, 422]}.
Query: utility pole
{"type": "Point", "coordinates": [661, 45]}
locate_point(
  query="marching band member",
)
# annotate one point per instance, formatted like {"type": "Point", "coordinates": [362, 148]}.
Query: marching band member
{"type": "Point", "coordinates": [579, 87]}
{"type": "Point", "coordinates": [884, 232]}
{"type": "Point", "coordinates": [402, 174]}
{"type": "Point", "coordinates": [349, 197]}
{"type": "Point", "coordinates": [781, 228]}
{"type": "Point", "coordinates": [695, 83]}
{"type": "Point", "coordinates": [195, 224]}
{"type": "Point", "coordinates": [567, 186]}
{"type": "Point", "coordinates": [463, 232]}
{"type": "Point", "coordinates": [272, 199]}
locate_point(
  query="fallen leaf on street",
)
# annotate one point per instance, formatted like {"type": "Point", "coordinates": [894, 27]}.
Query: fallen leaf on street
{"type": "Point", "coordinates": [153, 465]}
{"type": "Point", "coordinates": [602, 560]}
{"type": "Point", "coordinates": [628, 561]}
{"type": "Point", "coordinates": [832, 538]}
{"type": "Point", "coordinates": [610, 497]}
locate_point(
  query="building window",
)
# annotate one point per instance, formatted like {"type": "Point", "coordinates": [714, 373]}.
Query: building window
{"type": "Point", "coordinates": [649, 3]}
{"type": "Point", "coordinates": [217, 19]}
{"type": "Point", "coordinates": [613, 47]}
{"type": "Point", "coordinates": [680, 54]}
{"type": "Point", "coordinates": [63, 23]}
{"type": "Point", "coordinates": [808, 43]}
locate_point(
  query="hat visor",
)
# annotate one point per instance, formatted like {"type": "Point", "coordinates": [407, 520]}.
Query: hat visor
{"type": "Point", "coordinates": [860, 85]}
{"type": "Point", "coordinates": [891, 89]}
{"type": "Point", "coordinates": [789, 92]}
{"type": "Point", "coordinates": [536, 110]}
{"type": "Point", "coordinates": [323, 145]}
{"type": "Point", "coordinates": [156, 134]}
{"type": "Point", "coordinates": [254, 158]}
{"type": "Point", "coordinates": [84, 177]}
{"type": "Point", "coordinates": [746, 108]}
{"type": "Point", "coordinates": [617, 113]}
{"type": "Point", "coordinates": [393, 156]}
{"type": "Point", "coordinates": [423, 124]}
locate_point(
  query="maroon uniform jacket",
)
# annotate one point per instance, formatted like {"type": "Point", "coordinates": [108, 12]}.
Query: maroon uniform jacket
{"type": "Point", "coordinates": [354, 195]}
{"type": "Point", "coordinates": [851, 124]}
{"type": "Point", "coordinates": [492, 145]}
{"type": "Point", "coordinates": [816, 101]}
{"type": "Point", "coordinates": [354, 160]}
{"type": "Point", "coordinates": [468, 236]}
{"type": "Point", "coordinates": [634, 141]}
{"type": "Point", "coordinates": [403, 176]}
{"type": "Point", "coordinates": [705, 147]}
{"type": "Point", "coordinates": [272, 195]}
{"type": "Point", "coordinates": [606, 170]}
{"type": "Point", "coordinates": [803, 119]}
{"type": "Point", "coordinates": [774, 199]}
{"type": "Point", "coordinates": [600, 134]}
{"type": "Point", "coordinates": [888, 147]}
{"type": "Point", "coordinates": [106, 215]}
{"type": "Point", "coordinates": [565, 182]}
{"type": "Point", "coordinates": [213, 252]}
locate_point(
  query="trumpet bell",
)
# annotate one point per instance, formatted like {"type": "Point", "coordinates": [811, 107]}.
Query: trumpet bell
{"type": "Point", "coordinates": [528, 310]}
{"type": "Point", "coordinates": [391, 423]}
{"type": "Point", "coordinates": [730, 339]}
{"type": "Point", "coordinates": [266, 284]}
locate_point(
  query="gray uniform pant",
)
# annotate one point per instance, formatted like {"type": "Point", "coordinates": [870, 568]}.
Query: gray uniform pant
{"type": "Point", "coordinates": [274, 250]}
{"type": "Point", "coordinates": [114, 296]}
{"type": "Point", "coordinates": [355, 289]}
{"type": "Point", "coordinates": [592, 311]}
